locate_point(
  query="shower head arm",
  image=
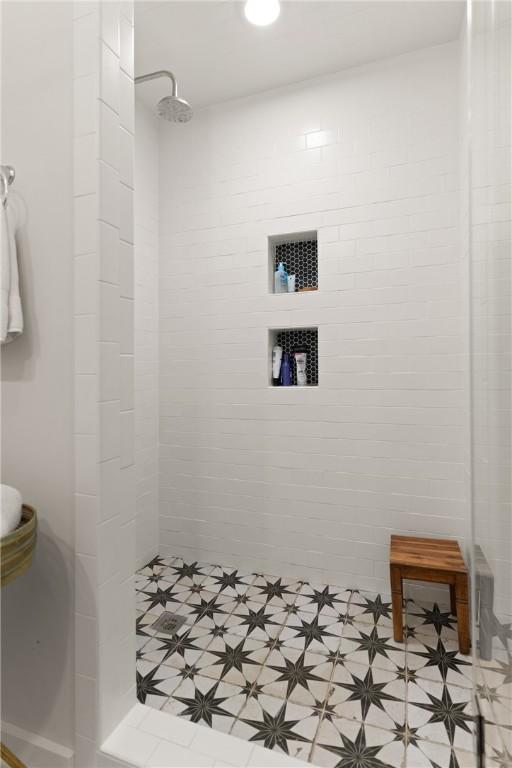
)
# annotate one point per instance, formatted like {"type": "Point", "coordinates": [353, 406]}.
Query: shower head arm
{"type": "Point", "coordinates": [155, 75]}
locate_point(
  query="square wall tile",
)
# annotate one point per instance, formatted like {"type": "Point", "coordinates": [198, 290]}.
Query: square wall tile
{"type": "Point", "coordinates": [109, 489]}
{"type": "Point", "coordinates": [127, 503]}
{"type": "Point", "coordinates": [109, 194]}
{"type": "Point", "coordinates": [127, 103]}
{"type": "Point", "coordinates": [86, 518]}
{"type": "Point", "coordinates": [109, 430]}
{"type": "Point", "coordinates": [85, 210]}
{"type": "Point", "coordinates": [109, 136]}
{"type": "Point", "coordinates": [126, 213]}
{"type": "Point", "coordinates": [86, 404]}
{"type": "Point", "coordinates": [127, 382]}
{"type": "Point", "coordinates": [109, 253]}
{"type": "Point", "coordinates": [85, 344]}
{"type": "Point", "coordinates": [127, 10]}
{"type": "Point", "coordinates": [85, 645]}
{"type": "Point", "coordinates": [109, 329]}
{"type": "Point", "coordinates": [109, 613]}
{"type": "Point", "coordinates": [127, 48]}
{"type": "Point", "coordinates": [127, 328]}
{"type": "Point", "coordinates": [126, 155]}
{"type": "Point", "coordinates": [110, 371]}
{"type": "Point", "coordinates": [109, 552]}
{"type": "Point", "coordinates": [86, 752]}
{"type": "Point", "coordinates": [127, 438]}
{"type": "Point", "coordinates": [126, 270]}
{"type": "Point", "coordinates": [85, 703]}
{"type": "Point", "coordinates": [109, 80]}
{"type": "Point", "coordinates": [85, 585]}
{"type": "Point", "coordinates": [126, 543]}
{"type": "Point", "coordinates": [85, 168]}
{"type": "Point", "coordinates": [85, 105]}
{"type": "Point", "coordinates": [85, 284]}
{"type": "Point", "coordinates": [110, 17]}
{"type": "Point", "coordinates": [86, 45]}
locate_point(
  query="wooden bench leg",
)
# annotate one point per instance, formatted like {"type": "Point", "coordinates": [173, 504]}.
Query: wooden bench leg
{"type": "Point", "coordinates": [462, 610]}
{"type": "Point", "coordinates": [397, 603]}
{"type": "Point", "coordinates": [453, 601]}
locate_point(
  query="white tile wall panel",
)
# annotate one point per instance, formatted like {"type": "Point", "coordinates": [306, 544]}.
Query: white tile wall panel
{"type": "Point", "coordinates": [145, 289]}
{"type": "Point", "coordinates": [316, 479]}
{"type": "Point", "coordinates": [105, 514]}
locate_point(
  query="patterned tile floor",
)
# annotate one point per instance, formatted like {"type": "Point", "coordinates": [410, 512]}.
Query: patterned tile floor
{"type": "Point", "coordinates": [309, 670]}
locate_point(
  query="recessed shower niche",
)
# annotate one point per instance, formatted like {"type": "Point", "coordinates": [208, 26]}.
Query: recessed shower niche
{"type": "Point", "coordinates": [299, 254]}
{"type": "Point", "coordinates": [292, 340]}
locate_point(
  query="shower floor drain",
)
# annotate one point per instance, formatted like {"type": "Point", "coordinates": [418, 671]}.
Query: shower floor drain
{"type": "Point", "coordinates": [168, 622]}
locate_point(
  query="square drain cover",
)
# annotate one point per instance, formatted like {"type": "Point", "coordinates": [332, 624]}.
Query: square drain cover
{"type": "Point", "coordinates": [168, 622]}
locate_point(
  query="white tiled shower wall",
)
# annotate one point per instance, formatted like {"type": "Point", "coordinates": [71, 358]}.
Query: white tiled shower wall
{"type": "Point", "coordinates": [491, 238]}
{"type": "Point", "coordinates": [313, 481]}
{"type": "Point", "coordinates": [104, 349]}
{"type": "Point", "coordinates": [146, 332]}
{"type": "Point", "coordinates": [491, 197]}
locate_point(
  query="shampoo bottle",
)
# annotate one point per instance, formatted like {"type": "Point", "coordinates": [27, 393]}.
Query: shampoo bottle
{"type": "Point", "coordinates": [277, 354]}
{"type": "Point", "coordinates": [280, 279]}
{"type": "Point", "coordinates": [300, 367]}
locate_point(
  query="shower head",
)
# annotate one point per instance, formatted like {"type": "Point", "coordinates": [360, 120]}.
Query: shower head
{"type": "Point", "coordinates": [171, 107]}
{"type": "Point", "coordinates": [174, 109]}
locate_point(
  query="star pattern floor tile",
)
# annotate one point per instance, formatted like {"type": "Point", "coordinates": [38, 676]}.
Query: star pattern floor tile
{"type": "Point", "coordinates": [278, 724]}
{"type": "Point", "coordinates": [308, 670]}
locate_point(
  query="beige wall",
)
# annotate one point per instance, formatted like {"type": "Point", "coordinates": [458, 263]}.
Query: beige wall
{"type": "Point", "coordinates": [37, 369]}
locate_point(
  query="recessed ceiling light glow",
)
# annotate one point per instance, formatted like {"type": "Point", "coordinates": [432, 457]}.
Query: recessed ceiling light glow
{"type": "Point", "coordinates": [262, 12]}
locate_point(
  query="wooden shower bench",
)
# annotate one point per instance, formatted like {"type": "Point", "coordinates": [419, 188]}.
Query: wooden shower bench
{"type": "Point", "coordinates": [437, 560]}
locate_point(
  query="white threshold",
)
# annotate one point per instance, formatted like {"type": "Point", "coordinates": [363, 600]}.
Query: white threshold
{"type": "Point", "coordinates": [149, 738]}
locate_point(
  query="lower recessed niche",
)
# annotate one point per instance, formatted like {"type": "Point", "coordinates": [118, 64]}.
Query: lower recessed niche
{"type": "Point", "coordinates": [292, 339]}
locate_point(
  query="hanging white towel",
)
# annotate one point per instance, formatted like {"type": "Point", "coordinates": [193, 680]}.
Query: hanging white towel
{"type": "Point", "coordinates": [11, 314]}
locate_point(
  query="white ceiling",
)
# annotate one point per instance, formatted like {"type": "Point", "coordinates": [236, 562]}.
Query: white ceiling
{"type": "Point", "coordinates": [217, 55]}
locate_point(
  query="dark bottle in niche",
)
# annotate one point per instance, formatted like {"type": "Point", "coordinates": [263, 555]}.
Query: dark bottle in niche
{"type": "Point", "coordinates": [286, 371]}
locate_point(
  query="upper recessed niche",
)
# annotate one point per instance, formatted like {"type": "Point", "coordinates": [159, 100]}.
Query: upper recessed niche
{"type": "Point", "coordinates": [299, 253]}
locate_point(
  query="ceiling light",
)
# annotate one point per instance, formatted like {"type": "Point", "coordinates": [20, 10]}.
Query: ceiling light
{"type": "Point", "coordinates": [262, 12]}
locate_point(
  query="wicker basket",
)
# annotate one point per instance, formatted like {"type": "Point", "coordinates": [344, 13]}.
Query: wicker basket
{"type": "Point", "coordinates": [17, 547]}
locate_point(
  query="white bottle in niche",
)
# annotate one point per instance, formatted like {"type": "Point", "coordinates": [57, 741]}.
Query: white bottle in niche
{"type": "Point", "coordinates": [280, 279]}
{"type": "Point", "coordinates": [277, 355]}
{"type": "Point", "coordinates": [300, 367]}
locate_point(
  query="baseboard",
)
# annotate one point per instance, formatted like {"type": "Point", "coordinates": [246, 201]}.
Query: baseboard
{"type": "Point", "coordinates": [34, 750]}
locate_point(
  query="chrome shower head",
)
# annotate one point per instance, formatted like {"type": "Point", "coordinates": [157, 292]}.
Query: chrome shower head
{"type": "Point", "coordinates": [174, 109]}
{"type": "Point", "coordinates": [171, 108]}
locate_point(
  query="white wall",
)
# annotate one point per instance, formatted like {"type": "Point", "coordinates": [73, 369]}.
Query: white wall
{"type": "Point", "coordinates": [312, 482]}
{"type": "Point", "coordinates": [37, 369]}
{"type": "Point", "coordinates": [146, 332]}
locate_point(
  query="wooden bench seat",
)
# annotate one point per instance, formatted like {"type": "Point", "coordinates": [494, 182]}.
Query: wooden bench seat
{"type": "Point", "coordinates": [433, 560]}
